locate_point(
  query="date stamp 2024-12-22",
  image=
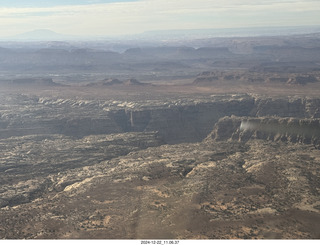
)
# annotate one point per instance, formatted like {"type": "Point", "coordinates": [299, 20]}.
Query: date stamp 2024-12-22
{"type": "Point", "coordinates": [160, 242]}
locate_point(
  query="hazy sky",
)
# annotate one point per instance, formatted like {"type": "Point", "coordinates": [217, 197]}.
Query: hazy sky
{"type": "Point", "coordinates": [113, 17]}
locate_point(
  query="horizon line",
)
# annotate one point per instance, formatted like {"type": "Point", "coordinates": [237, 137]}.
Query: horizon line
{"type": "Point", "coordinates": [19, 37]}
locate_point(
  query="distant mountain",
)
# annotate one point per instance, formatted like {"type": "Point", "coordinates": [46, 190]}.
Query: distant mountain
{"type": "Point", "coordinates": [41, 35]}
{"type": "Point", "coordinates": [169, 35]}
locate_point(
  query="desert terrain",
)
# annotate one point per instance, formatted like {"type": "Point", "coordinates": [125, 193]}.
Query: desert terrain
{"type": "Point", "coordinates": [218, 139]}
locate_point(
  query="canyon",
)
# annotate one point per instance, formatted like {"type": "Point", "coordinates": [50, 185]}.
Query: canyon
{"type": "Point", "coordinates": [206, 167]}
{"type": "Point", "coordinates": [218, 141]}
{"type": "Point", "coordinates": [179, 120]}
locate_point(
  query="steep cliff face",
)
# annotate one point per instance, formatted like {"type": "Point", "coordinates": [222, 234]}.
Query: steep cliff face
{"type": "Point", "coordinates": [187, 123]}
{"type": "Point", "coordinates": [183, 120]}
{"type": "Point", "coordinates": [293, 130]}
{"type": "Point", "coordinates": [177, 121]}
{"type": "Point", "coordinates": [192, 122]}
{"type": "Point", "coordinates": [291, 107]}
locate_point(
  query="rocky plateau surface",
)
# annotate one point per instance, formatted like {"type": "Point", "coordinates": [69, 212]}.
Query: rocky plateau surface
{"type": "Point", "coordinates": [237, 166]}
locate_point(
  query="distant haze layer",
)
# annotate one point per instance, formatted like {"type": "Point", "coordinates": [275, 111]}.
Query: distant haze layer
{"type": "Point", "coordinates": [127, 17]}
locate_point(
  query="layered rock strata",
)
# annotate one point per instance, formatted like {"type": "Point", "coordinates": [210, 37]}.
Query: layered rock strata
{"type": "Point", "coordinates": [293, 130]}
{"type": "Point", "coordinates": [177, 120]}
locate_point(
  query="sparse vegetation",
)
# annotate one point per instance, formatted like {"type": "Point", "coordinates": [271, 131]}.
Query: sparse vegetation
{"type": "Point", "coordinates": [175, 153]}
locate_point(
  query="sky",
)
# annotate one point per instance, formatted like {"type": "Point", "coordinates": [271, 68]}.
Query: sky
{"type": "Point", "coordinates": [126, 17]}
